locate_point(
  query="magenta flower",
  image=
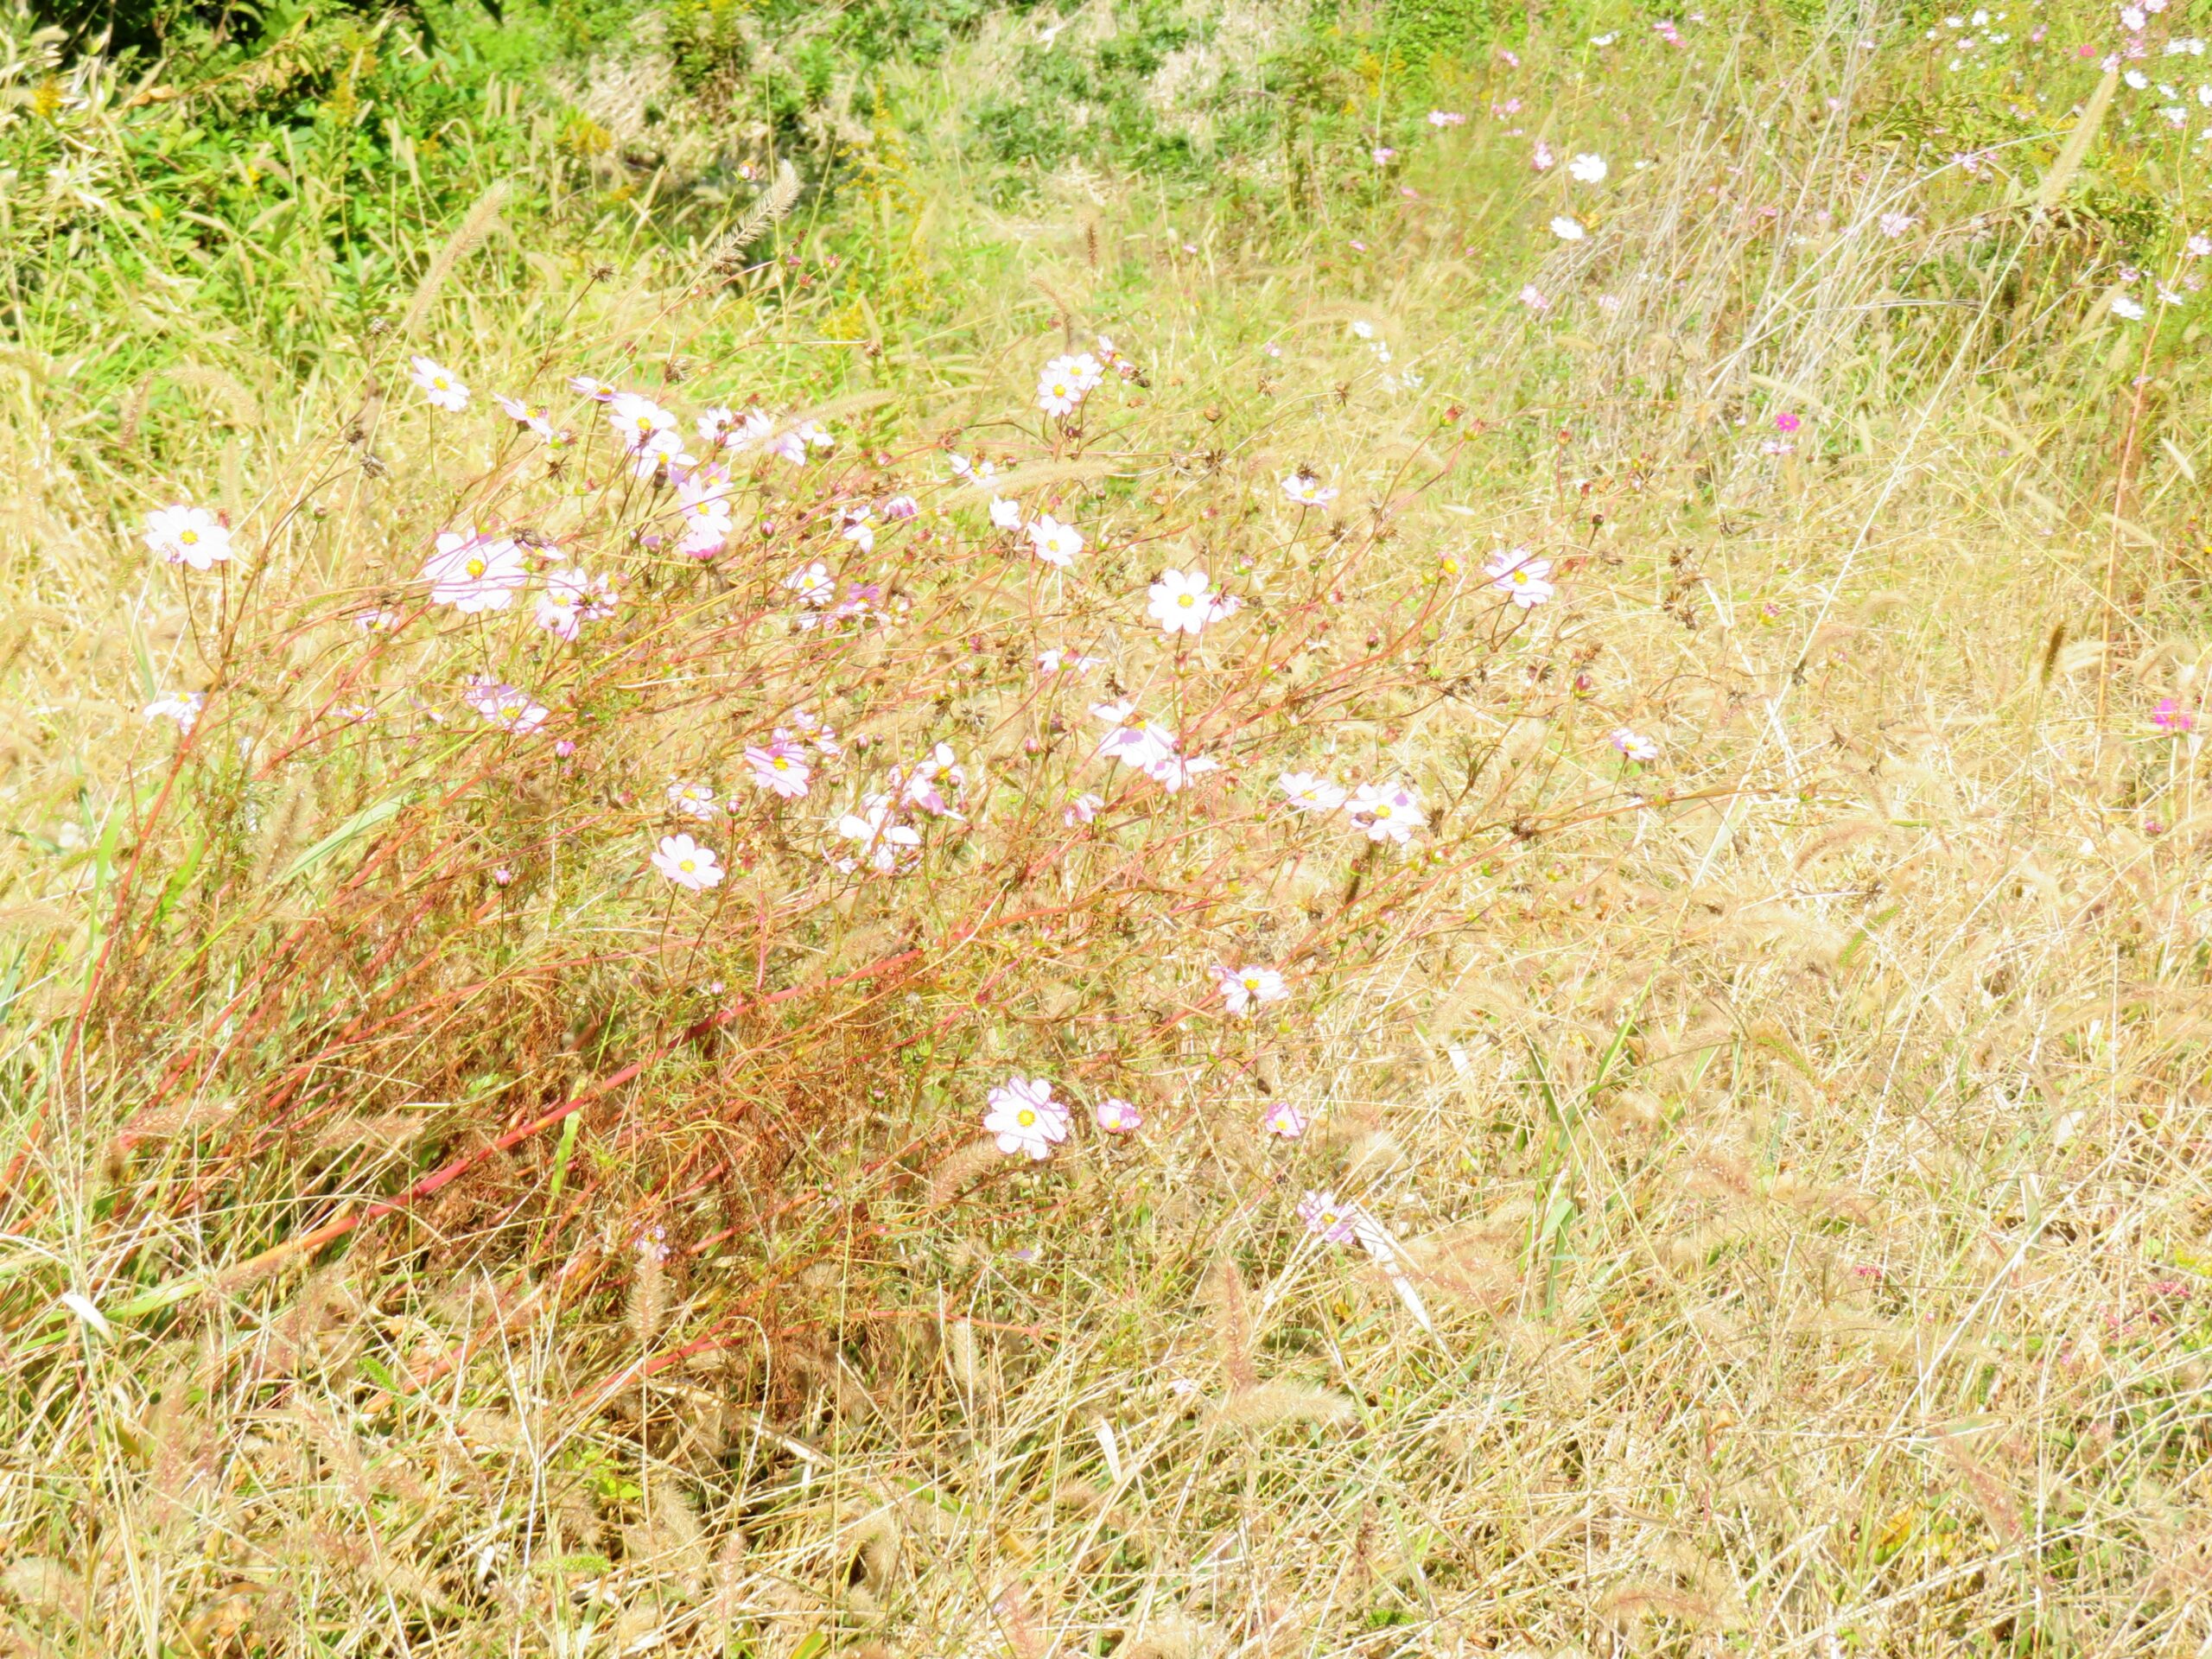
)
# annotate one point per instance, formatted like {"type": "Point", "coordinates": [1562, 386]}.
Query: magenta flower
{"type": "Point", "coordinates": [2171, 717]}
{"type": "Point", "coordinates": [1785, 422]}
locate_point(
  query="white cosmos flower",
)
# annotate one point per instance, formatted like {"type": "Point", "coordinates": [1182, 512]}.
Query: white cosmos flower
{"type": "Point", "coordinates": [191, 535]}
{"type": "Point", "coordinates": [2124, 307]}
{"type": "Point", "coordinates": [1310, 793]}
{"type": "Point", "coordinates": [882, 840]}
{"type": "Point", "coordinates": [1635, 746]}
{"type": "Point", "coordinates": [1244, 990]}
{"type": "Point", "coordinates": [536, 417]}
{"type": "Point", "coordinates": [687, 864]}
{"type": "Point", "coordinates": [1569, 230]}
{"type": "Point", "coordinates": [1054, 542]}
{"type": "Point", "coordinates": [1589, 169]}
{"type": "Point", "coordinates": [812, 583]}
{"type": "Point", "coordinates": [504, 707]}
{"type": "Point", "coordinates": [1386, 811]}
{"type": "Point", "coordinates": [1307, 490]}
{"type": "Point", "coordinates": [1133, 741]}
{"type": "Point", "coordinates": [473, 573]}
{"type": "Point", "coordinates": [1025, 1118]}
{"type": "Point", "coordinates": [439, 387]}
{"type": "Point", "coordinates": [1520, 577]}
{"type": "Point", "coordinates": [571, 599]}
{"type": "Point", "coordinates": [182, 707]}
{"type": "Point", "coordinates": [1004, 513]}
{"type": "Point", "coordinates": [1182, 602]}
{"type": "Point", "coordinates": [638, 419]}
{"type": "Point", "coordinates": [693, 800]}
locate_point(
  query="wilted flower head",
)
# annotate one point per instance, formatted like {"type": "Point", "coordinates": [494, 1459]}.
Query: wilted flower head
{"type": "Point", "coordinates": [191, 535]}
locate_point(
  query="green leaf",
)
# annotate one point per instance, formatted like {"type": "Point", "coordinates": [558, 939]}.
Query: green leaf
{"type": "Point", "coordinates": [346, 833]}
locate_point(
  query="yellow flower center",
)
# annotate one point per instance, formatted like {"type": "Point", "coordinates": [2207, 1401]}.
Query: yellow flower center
{"type": "Point", "coordinates": [475, 567]}
{"type": "Point", "coordinates": [686, 866]}
{"type": "Point", "coordinates": [1251, 982]}
{"type": "Point", "coordinates": [1025, 1117]}
{"type": "Point", "coordinates": [1382, 811]}
{"type": "Point", "coordinates": [1186, 600]}
{"type": "Point", "coordinates": [189, 536]}
{"type": "Point", "coordinates": [1520, 576]}
{"type": "Point", "coordinates": [782, 765]}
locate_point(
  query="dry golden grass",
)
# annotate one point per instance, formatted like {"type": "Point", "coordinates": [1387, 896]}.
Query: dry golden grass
{"type": "Point", "coordinates": [1795, 1150]}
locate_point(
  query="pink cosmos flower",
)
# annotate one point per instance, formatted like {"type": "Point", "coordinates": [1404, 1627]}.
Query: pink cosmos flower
{"type": "Point", "coordinates": [1326, 1218]}
{"type": "Point", "coordinates": [1307, 490]}
{"type": "Point", "coordinates": [504, 707]}
{"type": "Point", "coordinates": [1785, 422]}
{"type": "Point", "coordinates": [1133, 741]}
{"type": "Point", "coordinates": [1284, 1120]}
{"type": "Point", "coordinates": [2170, 716]}
{"type": "Point", "coordinates": [1082, 810]}
{"type": "Point", "coordinates": [1117, 1117]}
{"type": "Point", "coordinates": [1635, 746]}
{"type": "Point", "coordinates": [1025, 1118]}
{"type": "Point", "coordinates": [920, 786]}
{"type": "Point", "coordinates": [780, 766]}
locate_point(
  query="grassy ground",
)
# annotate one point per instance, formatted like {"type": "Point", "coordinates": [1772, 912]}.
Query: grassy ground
{"type": "Point", "coordinates": [1781, 1160]}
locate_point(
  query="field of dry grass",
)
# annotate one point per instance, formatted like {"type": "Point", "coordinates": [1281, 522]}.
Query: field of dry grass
{"type": "Point", "coordinates": [1778, 1164]}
